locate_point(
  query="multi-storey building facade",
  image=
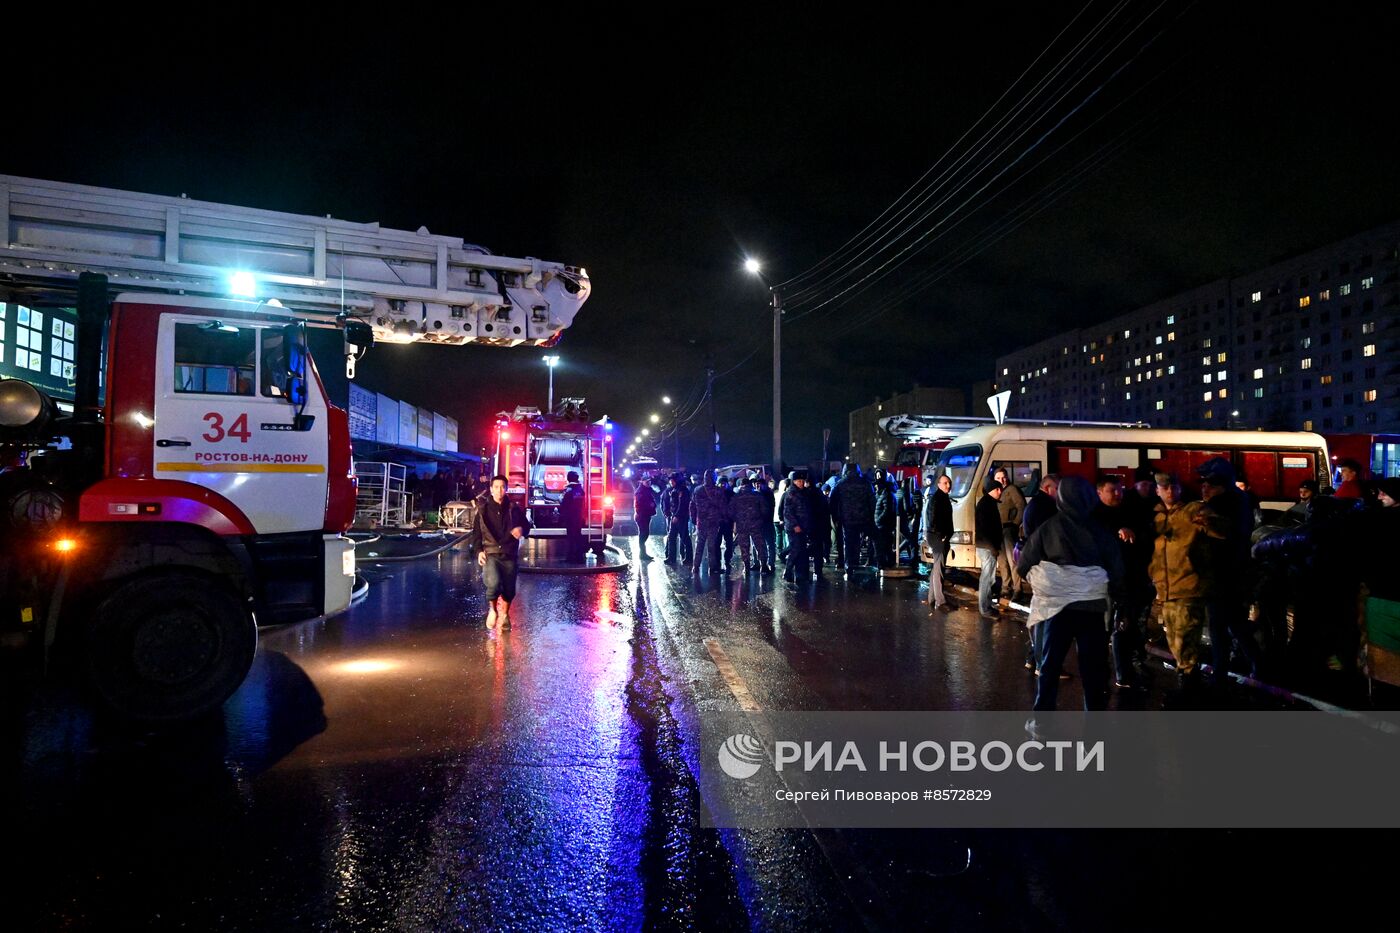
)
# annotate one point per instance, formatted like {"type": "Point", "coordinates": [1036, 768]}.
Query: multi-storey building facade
{"type": "Point", "coordinates": [1311, 343]}
{"type": "Point", "coordinates": [871, 445]}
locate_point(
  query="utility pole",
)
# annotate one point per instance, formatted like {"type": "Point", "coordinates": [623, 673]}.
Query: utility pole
{"type": "Point", "coordinates": [777, 381]}
{"type": "Point", "coordinates": [710, 392]}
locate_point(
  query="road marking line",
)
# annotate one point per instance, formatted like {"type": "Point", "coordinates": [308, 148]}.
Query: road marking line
{"type": "Point", "coordinates": [731, 677]}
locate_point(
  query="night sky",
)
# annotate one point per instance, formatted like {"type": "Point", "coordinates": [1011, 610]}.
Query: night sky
{"type": "Point", "coordinates": [1200, 141]}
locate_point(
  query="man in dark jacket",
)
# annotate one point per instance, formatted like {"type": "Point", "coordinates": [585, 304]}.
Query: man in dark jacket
{"type": "Point", "coordinates": [709, 506]}
{"type": "Point", "coordinates": [500, 524]}
{"type": "Point", "coordinates": [770, 530]}
{"type": "Point", "coordinates": [1074, 566]}
{"type": "Point", "coordinates": [988, 539]}
{"type": "Point", "coordinates": [643, 508]}
{"type": "Point", "coordinates": [1128, 613]}
{"type": "Point", "coordinates": [886, 517]}
{"type": "Point", "coordinates": [571, 514]}
{"type": "Point", "coordinates": [938, 535]}
{"type": "Point", "coordinates": [1227, 569]}
{"type": "Point", "coordinates": [797, 524]}
{"type": "Point", "coordinates": [675, 506]}
{"type": "Point", "coordinates": [1041, 506]}
{"type": "Point", "coordinates": [853, 505]}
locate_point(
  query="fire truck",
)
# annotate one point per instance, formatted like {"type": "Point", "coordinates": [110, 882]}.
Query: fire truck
{"type": "Point", "coordinates": [200, 481]}
{"type": "Point", "coordinates": [537, 451]}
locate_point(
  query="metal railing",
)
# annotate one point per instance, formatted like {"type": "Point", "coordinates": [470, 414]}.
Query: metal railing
{"type": "Point", "coordinates": [383, 499]}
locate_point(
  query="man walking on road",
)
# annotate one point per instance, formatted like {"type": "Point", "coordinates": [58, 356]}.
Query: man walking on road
{"type": "Point", "coordinates": [1012, 507]}
{"type": "Point", "coordinates": [750, 518]}
{"type": "Point", "coordinates": [853, 505]}
{"type": "Point", "coordinates": [643, 508]}
{"type": "Point", "coordinates": [500, 524]}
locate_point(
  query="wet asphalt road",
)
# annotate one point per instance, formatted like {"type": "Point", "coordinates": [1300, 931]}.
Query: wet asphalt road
{"type": "Point", "coordinates": [400, 767]}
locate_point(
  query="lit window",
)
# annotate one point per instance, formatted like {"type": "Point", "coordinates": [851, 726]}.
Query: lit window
{"type": "Point", "coordinates": [1223, 393]}
{"type": "Point", "coordinates": [1159, 372]}
{"type": "Point", "coordinates": [1171, 370]}
{"type": "Point", "coordinates": [1206, 378]}
{"type": "Point", "coordinates": [1220, 376]}
{"type": "Point", "coordinates": [1325, 295]}
{"type": "Point", "coordinates": [1368, 350]}
{"type": "Point", "coordinates": [1128, 333]}
{"type": "Point", "coordinates": [1220, 357]}
{"type": "Point", "coordinates": [1205, 396]}
{"type": "Point", "coordinates": [1171, 337]}
{"type": "Point", "coordinates": [1160, 404]}
{"type": "Point", "coordinates": [1259, 374]}
{"type": "Point", "coordinates": [1137, 361]}
{"type": "Point", "coordinates": [1128, 396]}
{"type": "Point", "coordinates": [1369, 327]}
{"type": "Point", "coordinates": [1171, 319]}
{"type": "Point", "coordinates": [1345, 289]}
{"type": "Point", "coordinates": [1306, 363]}
{"type": "Point", "coordinates": [1127, 380]}
{"type": "Point", "coordinates": [1158, 357]}
{"type": "Point", "coordinates": [1209, 414]}
{"type": "Point", "coordinates": [1205, 361]}
{"type": "Point", "coordinates": [1369, 395]}
{"type": "Point", "coordinates": [1005, 371]}
{"type": "Point", "coordinates": [1307, 425]}
{"type": "Point", "coordinates": [1325, 381]}
{"type": "Point", "coordinates": [1306, 342]}
{"type": "Point", "coordinates": [1205, 344]}
{"type": "Point", "coordinates": [1368, 282]}
{"type": "Point", "coordinates": [1259, 392]}
{"type": "Point", "coordinates": [1304, 301]}
{"type": "Point", "coordinates": [1257, 297]}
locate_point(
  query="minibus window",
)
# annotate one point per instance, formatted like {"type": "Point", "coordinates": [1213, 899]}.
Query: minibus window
{"type": "Point", "coordinates": [961, 466]}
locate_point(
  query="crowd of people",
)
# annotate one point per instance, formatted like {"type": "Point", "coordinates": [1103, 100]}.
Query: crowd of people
{"type": "Point", "coordinates": [1274, 597]}
{"type": "Point", "coordinates": [720, 523]}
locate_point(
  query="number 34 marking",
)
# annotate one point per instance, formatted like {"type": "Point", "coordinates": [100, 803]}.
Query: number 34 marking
{"type": "Point", "coordinates": [218, 432]}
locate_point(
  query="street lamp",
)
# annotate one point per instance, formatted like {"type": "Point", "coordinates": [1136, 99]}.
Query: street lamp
{"type": "Point", "coordinates": [551, 361]}
{"type": "Point", "coordinates": [755, 268]}
{"type": "Point", "coordinates": [646, 432]}
{"type": "Point", "coordinates": [655, 418]}
{"type": "Point", "coordinates": [665, 400]}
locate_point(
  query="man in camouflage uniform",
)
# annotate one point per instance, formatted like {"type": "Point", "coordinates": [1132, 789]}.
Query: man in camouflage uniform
{"type": "Point", "coordinates": [709, 507]}
{"type": "Point", "coordinates": [751, 516]}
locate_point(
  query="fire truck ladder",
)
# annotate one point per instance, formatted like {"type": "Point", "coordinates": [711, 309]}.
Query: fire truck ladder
{"type": "Point", "coordinates": [409, 286]}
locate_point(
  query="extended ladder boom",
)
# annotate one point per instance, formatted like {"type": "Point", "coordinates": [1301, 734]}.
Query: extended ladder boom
{"type": "Point", "coordinates": [409, 286]}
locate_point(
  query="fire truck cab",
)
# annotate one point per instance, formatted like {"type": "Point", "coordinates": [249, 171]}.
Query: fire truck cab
{"type": "Point", "coordinates": [536, 452]}
{"type": "Point", "coordinates": [200, 482]}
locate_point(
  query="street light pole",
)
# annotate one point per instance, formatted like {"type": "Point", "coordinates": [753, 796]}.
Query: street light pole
{"type": "Point", "coordinates": [777, 381]}
{"type": "Point", "coordinates": [551, 362]}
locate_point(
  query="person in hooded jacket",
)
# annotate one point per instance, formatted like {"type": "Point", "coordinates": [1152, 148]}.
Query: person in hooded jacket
{"type": "Point", "coordinates": [1041, 506]}
{"type": "Point", "coordinates": [853, 505]}
{"type": "Point", "coordinates": [829, 490]}
{"type": "Point", "coordinates": [1073, 566]}
{"type": "Point", "coordinates": [643, 508]}
{"type": "Point", "coordinates": [675, 506]}
{"type": "Point", "coordinates": [571, 507]}
{"type": "Point", "coordinates": [886, 517]}
{"type": "Point", "coordinates": [1227, 570]}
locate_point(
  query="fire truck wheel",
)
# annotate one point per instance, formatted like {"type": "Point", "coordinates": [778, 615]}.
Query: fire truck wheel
{"type": "Point", "coordinates": [170, 647]}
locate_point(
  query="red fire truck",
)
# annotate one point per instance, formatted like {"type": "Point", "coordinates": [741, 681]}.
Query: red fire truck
{"type": "Point", "coordinates": [536, 452]}
{"type": "Point", "coordinates": [200, 482]}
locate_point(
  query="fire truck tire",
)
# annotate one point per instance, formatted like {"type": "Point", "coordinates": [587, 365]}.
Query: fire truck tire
{"type": "Point", "coordinates": [168, 648]}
